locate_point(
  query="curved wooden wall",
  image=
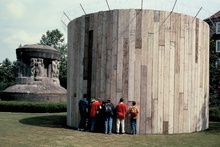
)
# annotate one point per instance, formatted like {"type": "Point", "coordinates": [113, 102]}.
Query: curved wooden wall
{"type": "Point", "coordinates": [158, 59]}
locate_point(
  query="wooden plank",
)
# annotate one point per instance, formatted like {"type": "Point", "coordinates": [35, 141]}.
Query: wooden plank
{"type": "Point", "coordinates": [125, 71]}
{"type": "Point", "coordinates": [177, 75]}
{"type": "Point", "coordinates": [162, 29]}
{"type": "Point", "coordinates": [201, 75]}
{"type": "Point", "coordinates": [207, 74]}
{"type": "Point", "coordinates": [196, 80]}
{"type": "Point", "coordinates": [94, 56]}
{"type": "Point", "coordinates": [166, 69]}
{"type": "Point", "coordinates": [121, 29]}
{"type": "Point", "coordinates": [171, 86]}
{"type": "Point", "coordinates": [149, 83]}
{"type": "Point", "coordinates": [103, 56]}
{"type": "Point", "coordinates": [114, 57]}
{"type": "Point", "coordinates": [137, 83]}
{"type": "Point", "coordinates": [207, 64]}
{"type": "Point", "coordinates": [131, 54]}
{"type": "Point", "coordinates": [144, 37]}
{"type": "Point", "coordinates": [143, 90]}
{"type": "Point", "coordinates": [193, 102]}
{"type": "Point", "coordinates": [190, 61]}
{"type": "Point", "coordinates": [76, 46]}
{"type": "Point", "coordinates": [155, 74]}
{"type": "Point", "coordinates": [70, 65]}
{"type": "Point", "coordinates": [86, 70]}
{"type": "Point", "coordinates": [138, 38]}
{"type": "Point", "coordinates": [79, 89]}
{"type": "Point", "coordinates": [91, 22]}
{"type": "Point", "coordinates": [160, 88]}
{"type": "Point", "coordinates": [150, 46]}
{"type": "Point", "coordinates": [99, 53]}
{"type": "Point", "coordinates": [126, 44]}
{"type": "Point", "coordinates": [186, 76]}
{"type": "Point", "coordinates": [109, 37]}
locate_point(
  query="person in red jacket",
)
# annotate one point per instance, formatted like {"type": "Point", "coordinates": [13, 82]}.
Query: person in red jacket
{"type": "Point", "coordinates": [93, 112]}
{"type": "Point", "coordinates": [120, 116]}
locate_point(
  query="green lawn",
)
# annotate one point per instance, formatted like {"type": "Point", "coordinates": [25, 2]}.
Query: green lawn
{"type": "Point", "coordinates": [49, 129]}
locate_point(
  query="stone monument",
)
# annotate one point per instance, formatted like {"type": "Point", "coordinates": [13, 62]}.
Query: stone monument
{"type": "Point", "coordinates": [38, 75]}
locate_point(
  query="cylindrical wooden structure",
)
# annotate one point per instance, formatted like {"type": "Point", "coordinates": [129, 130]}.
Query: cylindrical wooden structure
{"type": "Point", "coordinates": [156, 58]}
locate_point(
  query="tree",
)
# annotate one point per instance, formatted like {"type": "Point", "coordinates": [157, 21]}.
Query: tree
{"type": "Point", "coordinates": [52, 38]}
{"type": "Point", "coordinates": [8, 74]}
{"type": "Point", "coordinates": [214, 80]}
{"type": "Point", "coordinates": [55, 39]}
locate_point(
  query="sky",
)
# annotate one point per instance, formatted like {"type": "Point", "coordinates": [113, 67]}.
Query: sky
{"type": "Point", "coordinates": [25, 21]}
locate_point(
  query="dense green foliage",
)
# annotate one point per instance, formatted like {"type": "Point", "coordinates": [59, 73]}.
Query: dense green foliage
{"type": "Point", "coordinates": [32, 107]}
{"type": "Point", "coordinates": [52, 38]}
{"type": "Point", "coordinates": [214, 80]}
{"type": "Point", "coordinates": [214, 114]}
{"type": "Point", "coordinates": [8, 74]}
{"type": "Point", "coordinates": [55, 39]}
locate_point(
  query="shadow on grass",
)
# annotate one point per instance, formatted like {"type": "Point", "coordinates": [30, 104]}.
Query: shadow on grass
{"type": "Point", "coordinates": [53, 121]}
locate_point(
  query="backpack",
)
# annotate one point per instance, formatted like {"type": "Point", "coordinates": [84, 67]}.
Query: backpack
{"type": "Point", "coordinates": [108, 108]}
{"type": "Point", "coordinates": [133, 111]}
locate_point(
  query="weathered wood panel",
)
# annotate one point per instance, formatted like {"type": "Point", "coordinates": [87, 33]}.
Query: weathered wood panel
{"type": "Point", "coordinates": [158, 59]}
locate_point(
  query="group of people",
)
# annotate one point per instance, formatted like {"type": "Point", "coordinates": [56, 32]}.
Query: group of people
{"type": "Point", "coordinates": [101, 113]}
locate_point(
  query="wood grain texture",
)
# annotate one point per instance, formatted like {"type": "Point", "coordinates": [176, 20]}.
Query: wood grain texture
{"type": "Point", "coordinates": [156, 58]}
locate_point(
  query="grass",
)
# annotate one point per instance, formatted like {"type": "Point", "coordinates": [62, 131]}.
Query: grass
{"type": "Point", "coordinates": [46, 130]}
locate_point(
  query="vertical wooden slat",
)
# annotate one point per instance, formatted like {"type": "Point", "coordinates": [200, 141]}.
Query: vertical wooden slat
{"type": "Point", "coordinates": [79, 90]}
{"type": "Point", "coordinates": [196, 76]}
{"type": "Point", "coordinates": [109, 36]}
{"type": "Point", "coordinates": [143, 90]}
{"type": "Point", "coordinates": [160, 89]}
{"type": "Point", "coordinates": [98, 55]}
{"type": "Point", "coordinates": [137, 82]}
{"type": "Point", "coordinates": [161, 73]}
{"type": "Point", "coordinates": [114, 57]}
{"type": "Point", "coordinates": [193, 102]}
{"type": "Point", "coordinates": [186, 77]}
{"type": "Point", "coordinates": [94, 56]}
{"type": "Point", "coordinates": [171, 86]}
{"type": "Point", "coordinates": [125, 61]}
{"type": "Point", "coordinates": [155, 59]}
{"type": "Point", "coordinates": [138, 38]}
{"type": "Point", "coordinates": [121, 29]}
{"type": "Point", "coordinates": [131, 54]}
{"type": "Point", "coordinates": [166, 69]}
{"type": "Point", "coordinates": [190, 62]}
{"type": "Point", "coordinates": [103, 56]}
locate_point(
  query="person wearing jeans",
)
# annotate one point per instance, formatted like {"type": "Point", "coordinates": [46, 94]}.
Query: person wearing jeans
{"type": "Point", "coordinates": [109, 107]}
{"type": "Point", "coordinates": [120, 116]}
{"type": "Point", "coordinates": [133, 113]}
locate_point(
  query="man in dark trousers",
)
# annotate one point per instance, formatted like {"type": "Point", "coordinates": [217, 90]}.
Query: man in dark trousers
{"type": "Point", "coordinates": [83, 109]}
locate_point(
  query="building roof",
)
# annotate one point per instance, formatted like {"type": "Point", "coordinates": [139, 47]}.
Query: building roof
{"type": "Point", "coordinates": [214, 16]}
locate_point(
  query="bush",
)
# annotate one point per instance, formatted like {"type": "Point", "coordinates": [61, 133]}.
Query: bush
{"type": "Point", "coordinates": [214, 113]}
{"type": "Point", "coordinates": [32, 107]}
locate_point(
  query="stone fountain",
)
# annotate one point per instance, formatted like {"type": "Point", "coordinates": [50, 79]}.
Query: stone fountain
{"type": "Point", "coordinates": [37, 75]}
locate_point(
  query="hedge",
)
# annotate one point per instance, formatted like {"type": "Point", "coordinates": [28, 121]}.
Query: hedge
{"type": "Point", "coordinates": [214, 113]}
{"type": "Point", "coordinates": [32, 107]}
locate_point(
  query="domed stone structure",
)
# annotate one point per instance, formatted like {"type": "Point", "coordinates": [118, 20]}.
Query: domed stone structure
{"type": "Point", "coordinates": [38, 75]}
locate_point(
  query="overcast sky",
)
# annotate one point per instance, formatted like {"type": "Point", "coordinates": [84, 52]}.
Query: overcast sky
{"type": "Point", "coordinates": [24, 21]}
